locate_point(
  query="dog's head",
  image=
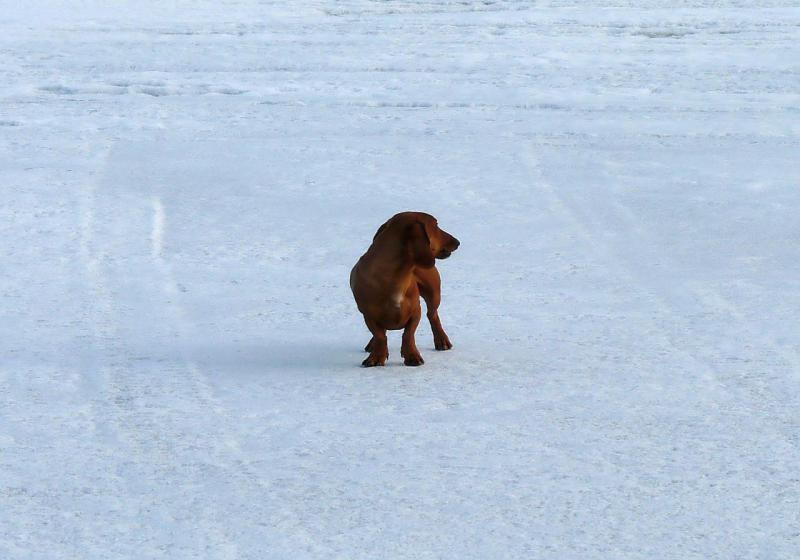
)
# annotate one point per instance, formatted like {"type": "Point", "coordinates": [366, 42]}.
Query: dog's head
{"type": "Point", "coordinates": [421, 233]}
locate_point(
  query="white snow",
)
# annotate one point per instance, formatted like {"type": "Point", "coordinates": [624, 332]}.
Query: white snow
{"type": "Point", "coordinates": [184, 187]}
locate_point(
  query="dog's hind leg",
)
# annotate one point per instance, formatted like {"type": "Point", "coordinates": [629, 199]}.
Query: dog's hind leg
{"type": "Point", "coordinates": [379, 346]}
{"type": "Point", "coordinates": [408, 349]}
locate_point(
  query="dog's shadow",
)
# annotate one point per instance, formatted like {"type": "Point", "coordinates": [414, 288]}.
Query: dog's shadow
{"type": "Point", "coordinates": [216, 356]}
{"type": "Point", "coordinates": [262, 357]}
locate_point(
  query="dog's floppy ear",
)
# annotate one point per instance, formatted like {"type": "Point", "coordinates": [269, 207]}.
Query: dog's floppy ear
{"type": "Point", "coordinates": [419, 245]}
{"type": "Point", "coordinates": [430, 228]}
{"type": "Point", "coordinates": [380, 229]}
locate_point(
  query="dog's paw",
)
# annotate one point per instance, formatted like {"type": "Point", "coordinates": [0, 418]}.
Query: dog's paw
{"type": "Point", "coordinates": [373, 360]}
{"type": "Point", "coordinates": [414, 360]}
{"type": "Point", "coordinates": [442, 342]}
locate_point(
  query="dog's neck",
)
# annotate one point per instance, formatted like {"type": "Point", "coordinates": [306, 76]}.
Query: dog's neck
{"type": "Point", "coordinates": [390, 261]}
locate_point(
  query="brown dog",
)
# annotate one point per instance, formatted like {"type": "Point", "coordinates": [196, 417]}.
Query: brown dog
{"type": "Point", "coordinates": [387, 281]}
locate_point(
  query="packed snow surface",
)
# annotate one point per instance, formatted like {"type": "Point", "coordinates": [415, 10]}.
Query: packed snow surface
{"type": "Point", "coordinates": [184, 187]}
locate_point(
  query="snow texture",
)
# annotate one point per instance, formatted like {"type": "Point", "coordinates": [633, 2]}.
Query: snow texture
{"type": "Point", "coordinates": [186, 185]}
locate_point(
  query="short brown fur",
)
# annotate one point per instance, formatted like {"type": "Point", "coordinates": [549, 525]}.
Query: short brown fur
{"type": "Point", "coordinates": [389, 279]}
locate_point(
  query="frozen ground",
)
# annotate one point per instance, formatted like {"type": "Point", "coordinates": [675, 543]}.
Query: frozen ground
{"type": "Point", "coordinates": [184, 191]}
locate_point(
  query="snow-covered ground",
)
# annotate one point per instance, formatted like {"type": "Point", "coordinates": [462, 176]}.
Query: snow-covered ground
{"type": "Point", "coordinates": [184, 188]}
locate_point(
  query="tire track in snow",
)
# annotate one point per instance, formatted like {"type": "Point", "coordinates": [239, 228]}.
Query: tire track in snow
{"type": "Point", "coordinates": [757, 393]}
{"type": "Point", "coordinates": [559, 206]}
{"type": "Point", "coordinates": [230, 456]}
{"type": "Point", "coordinates": [114, 414]}
{"type": "Point", "coordinates": [124, 407]}
{"type": "Point", "coordinates": [710, 298]}
{"type": "Point", "coordinates": [730, 317]}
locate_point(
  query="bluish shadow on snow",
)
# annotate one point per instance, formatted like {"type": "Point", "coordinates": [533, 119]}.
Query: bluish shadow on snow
{"type": "Point", "coordinates": [253, 357]}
